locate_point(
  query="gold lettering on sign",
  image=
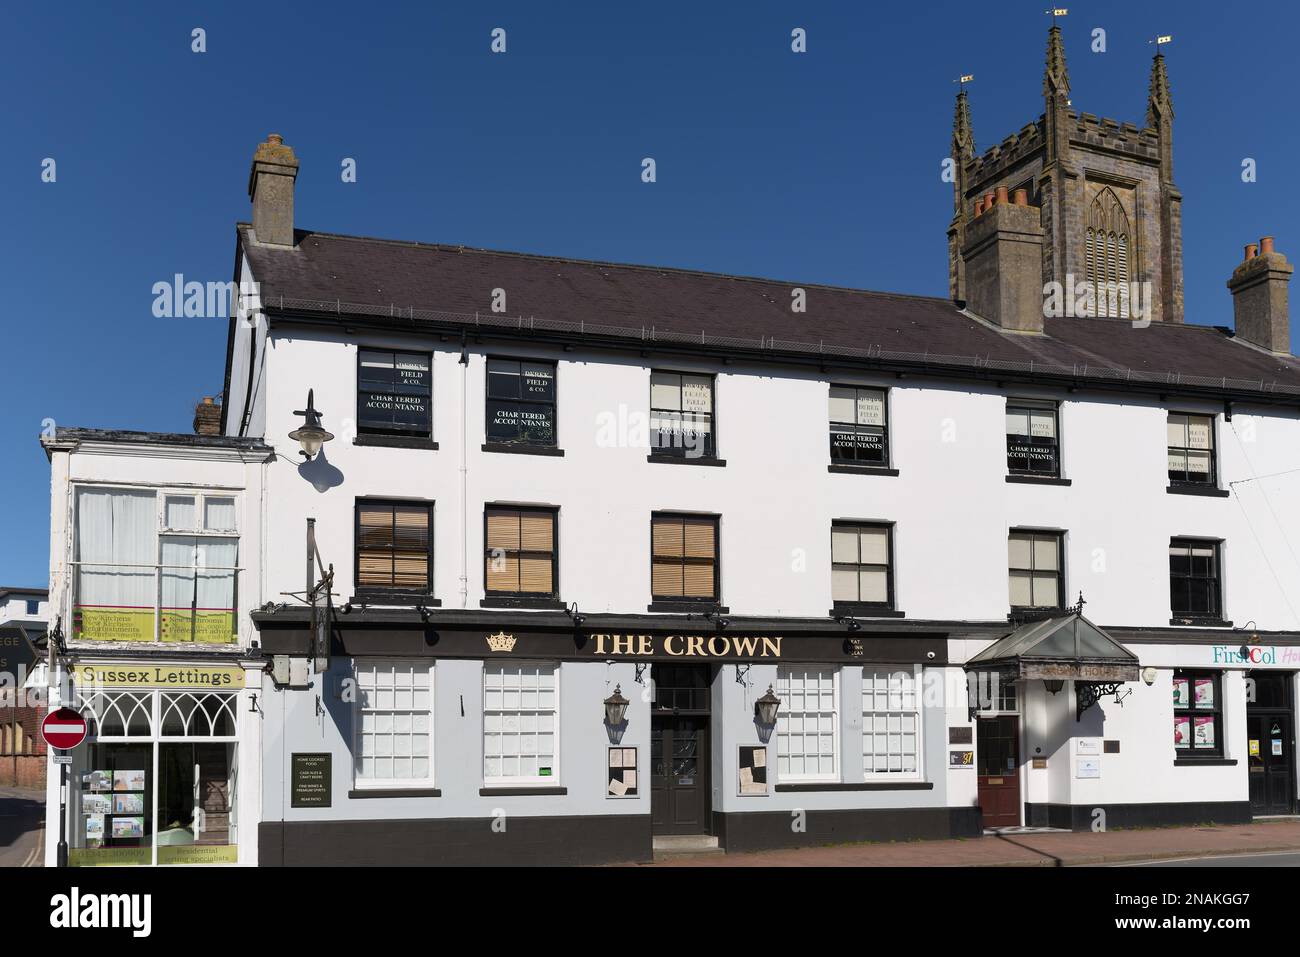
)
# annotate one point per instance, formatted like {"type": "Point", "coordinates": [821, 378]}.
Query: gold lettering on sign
{"type": "Point", "coordinates": [645, 645]}
{"type": "Point", "coordinates": [669, 647]}
{"type": "Point", "coordinates": [719, 651]}
{"type": "Point", "coordinates": [695, 646]}
{"type": "Point", "coordinates": [690, 646]}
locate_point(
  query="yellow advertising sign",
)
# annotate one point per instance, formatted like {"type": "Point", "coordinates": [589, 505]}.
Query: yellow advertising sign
{"type": "Point", "coordinates": [199, 854]}
{"type": "Point", "coordinates": [112, 623]}
{"type": "Point", "coordinates": [144, 675]}
{"type": "Point", "coordinates": [107, 856]}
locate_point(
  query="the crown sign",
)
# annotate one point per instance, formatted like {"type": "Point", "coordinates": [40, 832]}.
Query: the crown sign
{"type": "Point", "coordinates": [501, 642]}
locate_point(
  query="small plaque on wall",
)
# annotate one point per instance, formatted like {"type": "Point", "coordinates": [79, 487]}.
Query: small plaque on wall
{"type": "Point", "coordinates": [1087, 768]}
{"type": "Point", "coordinates": [622, 773]}
{"type": "Point", "coordinates": [1110, 747]}
{"type": "Point", "coordinates": [753, 769]}
{"type": "Point", "coordinates": [960, 735]}
{"type": "Point", "coordinates": [310, 780]}
{"type": "Point", "coordinates": [961, 759]}
{"type": "Point", "coordinates": [1040, 764]}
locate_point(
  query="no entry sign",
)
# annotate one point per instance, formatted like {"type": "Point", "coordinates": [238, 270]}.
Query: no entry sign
{"type": "Point", "coordinates": [63, 729]}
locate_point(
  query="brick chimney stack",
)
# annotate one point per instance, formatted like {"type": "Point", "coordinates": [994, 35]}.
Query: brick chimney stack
{"type": "Point", "coordinates": [270, 187]}
{"type": "Point", "coordinates": [207, 417]}
{"type": "Point", "coordinates": [1259, 298]}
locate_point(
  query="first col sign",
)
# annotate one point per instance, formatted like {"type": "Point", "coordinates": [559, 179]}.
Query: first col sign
{"type": "Point", "coordinates": [64, 729]}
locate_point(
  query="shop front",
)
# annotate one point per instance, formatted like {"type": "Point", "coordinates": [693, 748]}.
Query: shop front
{"type": "Point", "coordinates": [160, 778]}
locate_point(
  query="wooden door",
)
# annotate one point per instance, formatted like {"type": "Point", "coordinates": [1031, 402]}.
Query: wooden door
{"type": "Point", "coordinates": [679, 774]}
{"type": "Point", "coordinates": [997, 762]}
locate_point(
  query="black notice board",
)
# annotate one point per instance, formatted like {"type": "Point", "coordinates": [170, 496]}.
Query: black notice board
{"type": "Point", "coordinates": [310, 780]}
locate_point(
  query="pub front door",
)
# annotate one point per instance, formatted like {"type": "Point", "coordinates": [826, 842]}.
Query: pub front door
{"type": "Point", "coordinates": [680, 782]}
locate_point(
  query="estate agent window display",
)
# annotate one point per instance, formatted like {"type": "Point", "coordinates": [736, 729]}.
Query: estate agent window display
{"type": "Point", "coordinates": [1198, 715]}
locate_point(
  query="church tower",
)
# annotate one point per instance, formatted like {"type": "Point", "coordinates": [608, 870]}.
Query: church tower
{"type": "Point", "coordinates": [1103, 190]}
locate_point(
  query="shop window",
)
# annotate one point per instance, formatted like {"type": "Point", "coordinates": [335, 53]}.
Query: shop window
{"type": "Point", "coordinates": [153, 567]}
{"type": "Point", "coordinates": [521, 559]}
{"type": "Point", "coordinates": [1191, 449]}
{"type": "Point", "coordinates": [684, 558]}
{"type": "Point", "coordinates": [394, 548]}
{"type": "Point", "coordinates": [1035, 568]}
{"type": "Point", "coordinates": [861, 559]}
{"type": "Point", "coordinates": [393, 740]}
{"type": "Point", "coordinates": [1033, 446]}
{"type": "Point", "coordinates": [807, 725]}
{"type": "Point", "coordinates": [1194, 580]}
{"type": "Point", "coordinates": [891, 722]}
{"type": "Point", "coordinates": [520, 723]}
{"type": "Point", "coordinates": [859, 427]}
{"type": "Point", "coordinates": [521, 402]}
{"type": "Point", "coordinates": [1198, 715]}
{"type": "Point", "coordinates": [394, 393]}
{"type": "Point", "coordinates": [157, 781]}
{"type": "Point", "coordinates": [681, 415]}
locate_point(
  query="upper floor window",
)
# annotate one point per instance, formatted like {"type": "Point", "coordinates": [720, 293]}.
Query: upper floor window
{"type": "Point", "coordinates": [681, 415]}
{"type": "Point", "coordinates": [684, 558]}
{"type": "Point", "coordinates": [1033, 444]}
{"type": "Point", "coordinates": [394, 548]}
{"type": "Point", "coordinates": [155, 567]}
{"type": "Point", "coordinates": [33, 606]}
{"type": "Point", "coordinates": [1191, 449]}
{"type": "Point", "coordinates": [1194, 579]}
{"type": "Point", "coordinates": [521, 402]}
{"type": "Point", "coordinates": [859, 431]}
{"type": "Point", "coordinates": [860, 565]}
{"type": "Point", "coordinates": [521, 560]}
{"type": "Point", "coordinates": [1035, 563]}
{"type": "Point", "coordinates": [1198, 715]}
{"type": "Point", "coordinates": [394, 393]}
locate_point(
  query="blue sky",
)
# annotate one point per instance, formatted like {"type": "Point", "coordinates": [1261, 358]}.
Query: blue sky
{"type": "Point", "coordinates": [820, 167]}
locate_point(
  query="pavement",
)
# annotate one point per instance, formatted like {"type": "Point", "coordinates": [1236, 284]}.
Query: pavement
{"type": "Point", "coordinates": [1250, 842]}
{"type": "Point", "coordinates": [22, 827]}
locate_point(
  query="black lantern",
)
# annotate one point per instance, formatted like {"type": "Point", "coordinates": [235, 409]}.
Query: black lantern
{"type": "Point", "coordinates": [311, 435]}
{"type": "Point", "coordinates": [766, 707]}
{"type": "Point", "coordinates": [615, 707]}
{"type": "Point", "coordinates": [1053, 685]}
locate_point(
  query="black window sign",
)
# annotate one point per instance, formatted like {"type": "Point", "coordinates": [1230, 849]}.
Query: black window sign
{"type": "Point", "coordinates": [521, 402]}
{"type": "Point", "coordinates": [15, 651]}
{"type": "Point", "coordinates": [310, 780]}
{"type": "Point", "coordinates": [394, 393]}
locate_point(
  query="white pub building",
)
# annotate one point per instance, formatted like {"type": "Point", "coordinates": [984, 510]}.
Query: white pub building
{"type": "Point", "coordinates": [651, 554]}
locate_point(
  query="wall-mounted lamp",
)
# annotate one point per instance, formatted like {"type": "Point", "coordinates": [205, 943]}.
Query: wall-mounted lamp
{"type": "Point", "coordinates": [765, 709]}
{"type": "Point", "coordinates": [616, 708]}
{"type": "Point", "coordinates": [577, 616]}
{"type": "Point", "coordinates": [1053, 685]}
{"type": "Point", "coordinates": [311, 435]}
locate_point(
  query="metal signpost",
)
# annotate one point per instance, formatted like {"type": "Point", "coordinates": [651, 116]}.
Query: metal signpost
{"type": "Point", "coordinates": [63, 730]}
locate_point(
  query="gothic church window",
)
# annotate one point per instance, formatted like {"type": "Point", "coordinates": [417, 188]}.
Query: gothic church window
{"type": "Point", "coordinates": [1106, 255]}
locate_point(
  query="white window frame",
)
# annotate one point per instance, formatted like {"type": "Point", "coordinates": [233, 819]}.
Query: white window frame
{"type": "Point", "coordinates": [553, 779]}
{"type": "Point", "coordinates": [918, 690]}
{"type": "Point", "coordinates": [783, 715]}
{"type": "Point", "coordinates": [393, 784]}
{"type": "Point", "coordinates": [161, 494]}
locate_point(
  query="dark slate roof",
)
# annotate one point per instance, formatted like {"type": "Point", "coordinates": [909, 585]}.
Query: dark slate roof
{"type": "Point", "coordinates": [7, 590]}
{"type": "Point", "coordinates": [449, 285]}
{"type": "Point", "coordinates": [69, 435]}
{"type": "Point", "coordinates": [1054, 639]}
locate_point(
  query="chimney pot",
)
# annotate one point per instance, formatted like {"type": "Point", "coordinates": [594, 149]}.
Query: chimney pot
{"type": "Point", "coordinates": [979, 206]}
{"type": "Point", "coordinates": [1266, 245]}
{"type": "Point", "coordinates": [988, 201]}
{"type": "Point", "coordinates": [1022, 197]}
{"type": "Point", "coordinates": [207, 417]}
{"type": "Point", "coordinates": [1260, 306]}
{"type": "Point", "coordinates": [1252, 250]}
{"type": "Point", "coordinates": [1002, 195]}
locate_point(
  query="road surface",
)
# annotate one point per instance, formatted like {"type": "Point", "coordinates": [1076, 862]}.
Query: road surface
{"type": "Point", "coordinates": [22, 827]}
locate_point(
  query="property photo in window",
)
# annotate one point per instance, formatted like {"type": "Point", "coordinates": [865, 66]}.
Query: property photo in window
{"type": "Point", "coordinates": [155, 566]}
{"type": "Point", "coordinates": [681, 414]}
{"type": "Point", "coordinates": [1198, 715]}
{"type": "Point", "coordinates": [520, 719]}
{"type": "Point", "coordinates": [1191, 449]}
{"type": "Point", "coordinates": [859, 432]}
{"type": "Point", "coordinates": [1035, 562]}
{"type": "Point", "coordinates": [393, 738]}
{"type": "Point", "coordinates": [394, 393]}
{"type": "Point", "coordinates": [684, 557]}
{"type": "Point", "coordinates": [807, 725]}
{"type": "Point", "coordinates": [891, 722]}
{"type": "Point", "coordinates": [394, 547]}
{"type": "Point", "coordinates": [1194, 579]}
{"type": "Point", "coordinates": [1033, 444]}
{"type": "Point", "coordinates": [521, 558]}
{"type": "Point", "coordinates": [521, 402]}
{"type": "Point", "coordinates": [860, 565]}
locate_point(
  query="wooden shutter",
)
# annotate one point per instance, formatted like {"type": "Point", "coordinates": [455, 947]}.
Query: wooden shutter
{"type": "Point", "coordinates": [536, 531]}
{"type": "Point", "coordinates": [502, 529]}
{"type": "Point", "coordinates": [666, 563]}
{"type": "Point", "coordinates": [375, 545]}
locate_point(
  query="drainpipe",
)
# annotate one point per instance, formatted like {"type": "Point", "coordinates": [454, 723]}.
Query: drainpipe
{"type": "Point", "coordinates": [464, 494]}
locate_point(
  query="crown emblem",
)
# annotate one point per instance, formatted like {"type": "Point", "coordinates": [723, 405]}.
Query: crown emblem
{"type": "Point", "coordinates": [501, 642]}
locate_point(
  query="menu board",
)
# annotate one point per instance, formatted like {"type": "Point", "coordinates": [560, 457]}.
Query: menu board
{"type": "Point", "coordinates": [752, 769]}
{"type": "Point", "coordinates": [622, 773]}
{"type": "Point", "coordinates": [310, 780]}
